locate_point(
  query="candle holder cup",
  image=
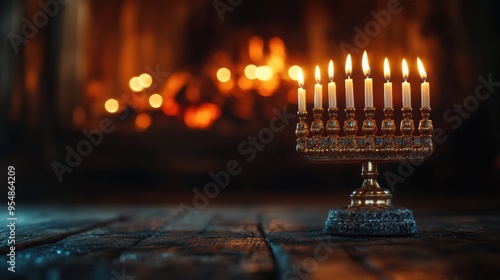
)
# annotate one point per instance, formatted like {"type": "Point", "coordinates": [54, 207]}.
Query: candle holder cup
{"type": "Point", "coordinates": [371, 212]}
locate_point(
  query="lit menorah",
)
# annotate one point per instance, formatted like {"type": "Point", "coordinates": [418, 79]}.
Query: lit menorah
{"type": "Point", "coordinates": [371, 212]}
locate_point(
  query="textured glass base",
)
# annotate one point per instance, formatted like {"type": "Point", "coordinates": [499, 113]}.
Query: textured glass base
{"type": "Point", "coordinates": [370, 221]}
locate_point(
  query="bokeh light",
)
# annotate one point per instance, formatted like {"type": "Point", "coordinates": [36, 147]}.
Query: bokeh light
{"type": "Point", "coordinates": [145, 80]}
{"type": "Point", "coordinates": [293, 72]}
{"type": "Point", "coordinates": [264, 73]}
{"type": "Point", "coordinates": [223, 75]}
{"type": "Point", "coordinates": [250, 71]}
{"type": "Point", "coordinates": [111, 105]}
{"type": "Point", "coordinates": [155, 100]}
{"type": "Point", "coordinates": [135, 85]}
{"type": "Point", "coordinates": [142, 121]}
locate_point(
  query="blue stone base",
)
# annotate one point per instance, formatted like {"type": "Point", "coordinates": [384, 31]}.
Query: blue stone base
{"type": "Point", "coordinates": [370, 221]}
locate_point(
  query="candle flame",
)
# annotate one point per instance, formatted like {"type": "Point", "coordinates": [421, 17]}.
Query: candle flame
{"type": "Point", "coordinates": [318, 75]}
{"type": "Point", "coordinates": [405, 70]}
{"type": "Point", "coordinates": [387, 70]}
{"type": "Point", "coordinates": [421, 69]}
{"type": "Point", "coordinates": [300, 78]}
{"type": "Point", "coordinates": [348, 66]}
{"type": "Point", "coordinates": [330, 71]}
{"type": "Point", "coordinates": [364, 63]}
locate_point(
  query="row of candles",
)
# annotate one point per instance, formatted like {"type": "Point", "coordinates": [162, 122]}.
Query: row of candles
{"type": "Point", "coordinates": [349, 92]}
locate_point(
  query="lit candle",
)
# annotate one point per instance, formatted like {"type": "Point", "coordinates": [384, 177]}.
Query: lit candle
{"type": "Point", "coordinates": [368, 81]}
{"type": "Point", "coordinates": [426, 102]}
{"type": "Point", "coordinates": [406, 87]}
{"type": "Point", "coordinates": [318, 90]}
{"type": "Point", "coordinates": [332, 88]}
{"type": "Point", "coordinates": [387, 85]}
{"type": "Point", "coordinates": [302, 92]}
{"type": "Point", "coordinates": [349, 95]}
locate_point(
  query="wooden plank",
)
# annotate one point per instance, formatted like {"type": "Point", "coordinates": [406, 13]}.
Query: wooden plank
{"type": "Point", "coordinates": [43, 225]}
{"type": "Point", "coordinates": [302, 251]}
{"type": "Point", "coordinates": [229, 247]}
{"type": "Point", "coordinates": [89, 254]}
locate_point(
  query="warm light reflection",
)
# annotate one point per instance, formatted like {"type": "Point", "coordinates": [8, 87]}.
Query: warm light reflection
{"type": "Point", "coordinates": [264, 73]}
{"type": "Point", "coordinates": [145, 80]}
{"type": "Point", "coordinates": [293, 72]}
{"type": "Point", "coordinates": [223, 75]}
{"type": "Point", "coordinates": [256, 49]}
{"type": "Point", "coordinates": [79, 116]}
{"type": "Point", "coordinates": [143, 121]}
{"type": "Point", "coordinates": [250, 71]}
{"type": "Point", "coordinates": [201, 117]}
{"type": "Point", "coordinates": [348, 66]}
{"type": "Point", "coordinates": [226, 87]}
{"type": "Point", "coordinates": [155, 100]}
{"type": "Point", "coordinates": [269, 87]}
{"type": "Point", "coordinates": [405, 70]}
{"type": "Point", "coordinates": [244, 83]}
{"type": "Point", "coordinates": [111, 105]}
{"type": "Point", "coordinates": [135, 85]}
{"type": "Point", "coordinates": [366, 66]}
{"type": "Point", "coordinates": [421, 69]}
{"type": "Point", "coordinates": [277, 47]}
{"type": "Point", "coordinates": [387, 70]}
{"type": "Point", "coordinates": [170, 107]}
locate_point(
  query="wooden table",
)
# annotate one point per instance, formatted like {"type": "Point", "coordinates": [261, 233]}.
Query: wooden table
{"type": "Point", "coordinates": [240, 242]}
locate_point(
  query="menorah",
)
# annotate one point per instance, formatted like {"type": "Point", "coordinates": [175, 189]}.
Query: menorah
{"type": "Point", "coordinates": [371, 212]}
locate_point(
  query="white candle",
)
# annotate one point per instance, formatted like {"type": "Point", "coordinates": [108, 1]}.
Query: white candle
{"type": "Point", "coordinates": [387, 85]}
{"type": "Point", "coordinates": [406, 87]}
{"type": "Point", "coordinates": [318, 90]}
{"type": "Point", "coordinates": [301, 92]}
{"type": "Point", "coordinates": [368, 81]}
{"type": "Point", "coordinates": [332, 88]}
{"type": "Point", "coordinates": [425, 92]}
{"type": "Point", "coordinates": [349, 93]}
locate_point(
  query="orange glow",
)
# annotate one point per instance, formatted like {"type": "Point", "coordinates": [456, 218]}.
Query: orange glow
{"type": "Point", "coordinates": [387, 69]}
{"type": "Point", "coordinates": [244, 83]}
{"type": "Point", "coordinates": [223, 75]}
{"type": "Point", "coordinates": [227, 86]}
{"type": "Point", "coordinates": [348, 66]}
{"type": "Point", "coordinates": [366, 66]}
{"type": "Point", "coordinates": [269, 87]}
{"type": "Point", "coordinates": [135, 85]}
{"type": "Point", "coordinates": [170, 107]}
{"type": "Point", "coordinates": [143, 121]}
{"type": "Point", "coordinates": [405, 70]}
{"type": "Point", "coordinates": [276, 63]}
{"type": "Point", "coordinates": [79, 116]}
{"type": "Point", "coordinates": [277, 47]}
{"type": "Point", "coordinates": [111, 105]}
{"type": "Point", "coordinates": [264, 73]}
{"type": "Point", "coordinates": [193, 94]}
{"type": "Point", "coordinates": [250, 71]}
{"type": "Point", "coordinates": [256, 49]}
{"type": "Point", "coordinates": [291, 96]}
{"type": "Point", "coordinates": [201, 117]}
{"type": "Point", "coordinates": [421, 69]}
{"type": "Point", "coordinates": [293, 72]}
{"type": "Point", "coordinates": [155, 100]}
{"type": "Point", "coordinates": [145, 80]}
{"type": "Point", "coordinates": [174, 84]}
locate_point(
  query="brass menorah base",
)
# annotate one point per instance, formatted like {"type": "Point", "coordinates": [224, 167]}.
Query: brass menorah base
{"type": "Point", "coordinates": [371, 212]}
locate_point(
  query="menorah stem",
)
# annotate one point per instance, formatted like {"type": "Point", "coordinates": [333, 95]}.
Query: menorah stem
{"type": "Point", "coordinates": [370, 193]}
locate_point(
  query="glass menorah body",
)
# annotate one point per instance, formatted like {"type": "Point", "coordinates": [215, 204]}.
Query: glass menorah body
{"type": "Point", "coordinates": [327, 144]}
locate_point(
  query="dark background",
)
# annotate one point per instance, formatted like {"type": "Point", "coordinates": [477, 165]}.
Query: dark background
{"type": "Point", "coordinates": [87, 52]}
